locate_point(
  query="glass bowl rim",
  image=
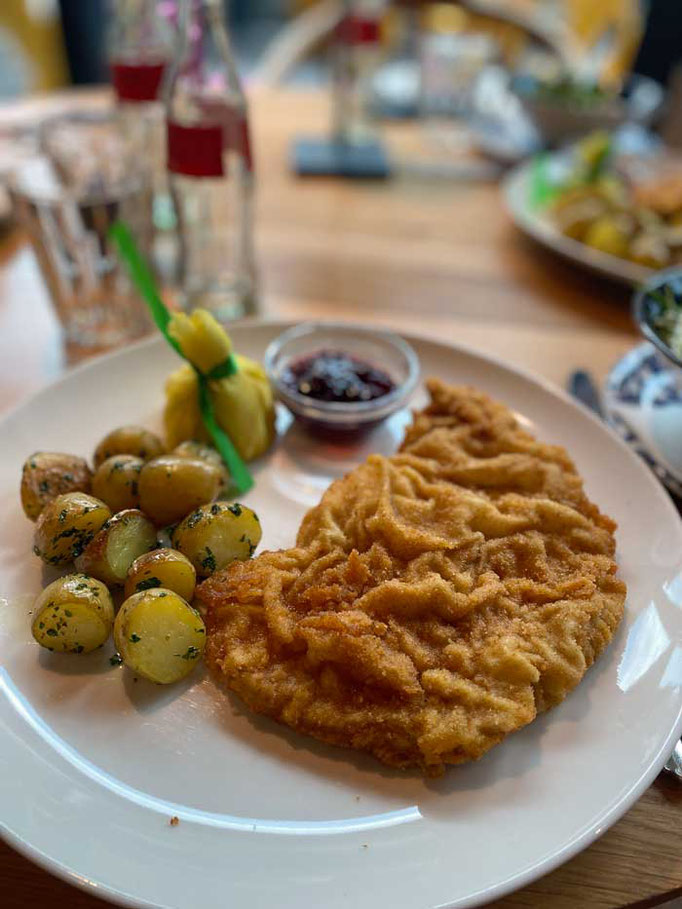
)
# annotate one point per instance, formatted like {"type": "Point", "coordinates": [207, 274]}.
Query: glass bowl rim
{"type": "Point", "coordinates": [640, 310]}
{"type": "Point", "coordinates": [342, 409]}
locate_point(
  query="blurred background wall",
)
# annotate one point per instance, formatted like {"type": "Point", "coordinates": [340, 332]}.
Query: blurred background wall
{"type": "Point", "coordinates": [48, 43]}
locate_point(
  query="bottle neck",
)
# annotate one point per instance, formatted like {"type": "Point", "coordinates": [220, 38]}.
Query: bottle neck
{"type": "Point", "coordinates": [140, 47]}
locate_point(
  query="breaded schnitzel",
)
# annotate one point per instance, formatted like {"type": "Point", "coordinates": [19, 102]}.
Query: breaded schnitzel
{"type": "Point", "coordinates": [435, 601]}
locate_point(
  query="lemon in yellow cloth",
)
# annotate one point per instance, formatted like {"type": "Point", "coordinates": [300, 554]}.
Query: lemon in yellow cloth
{"type": "Point", "coordinates": [242, 402]}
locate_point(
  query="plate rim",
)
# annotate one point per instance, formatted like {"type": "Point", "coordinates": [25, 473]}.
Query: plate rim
{"type": "Point", "coordinates": [608, 815]}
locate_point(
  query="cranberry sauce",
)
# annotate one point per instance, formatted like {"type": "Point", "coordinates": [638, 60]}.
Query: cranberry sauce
{"type": "Point", "coordinates": [332, 375]}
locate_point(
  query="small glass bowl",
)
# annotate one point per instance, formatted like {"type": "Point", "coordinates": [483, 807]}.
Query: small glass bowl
{"type": "Point", "coordinates": [382, 349]}
{"type": "Point", "coordinates": [645, 308]}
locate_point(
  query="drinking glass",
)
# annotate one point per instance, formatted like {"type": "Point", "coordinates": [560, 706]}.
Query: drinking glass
{"type": "Point", "coordinates": [67, 196]}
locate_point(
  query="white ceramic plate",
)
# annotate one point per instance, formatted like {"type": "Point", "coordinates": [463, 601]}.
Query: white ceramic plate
{"type": "Point", "coordinates": [538, 225]}
{"type": "Point", "coordinates": [95, 765]}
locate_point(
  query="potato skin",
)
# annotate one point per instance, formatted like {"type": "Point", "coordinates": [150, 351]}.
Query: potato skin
{"type": "Point", "coordinates": [115, 547]}
{"type": "Point", "coordinates": [171, 486]}
{"type": "Point", "coordinates": [215, 535]}
{"type": "Point", "coordinates": [159, 635]}
{"type": "Point", "coordinates": [199, 450]}
{"type": "Point", "coordinates": [48, 474]}
{"type": "Point", "coordinates": [116, 482]}
{"type": "Point", "coordinates": [165, 568]}
{"type": "Point", "coordinates": [67, 525]}
{"type": "Point", "coordinates": [74, 614]}
{"type": "Point", "coordinates": [132, 440]}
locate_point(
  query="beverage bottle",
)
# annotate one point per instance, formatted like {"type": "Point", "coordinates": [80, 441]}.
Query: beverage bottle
{"type": "Point", "coordinates": [357, 55]}
{"type": "Point", "coordinates": [141, 45]}
{"type": "Point", "coordinates": [211, 166]}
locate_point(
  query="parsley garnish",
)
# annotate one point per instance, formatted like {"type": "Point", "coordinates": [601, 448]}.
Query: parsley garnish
{"type": "Point", "coordinates": [134, 638]}
{"type": "Point", "coordinates": [148, 583]}
{"type": "Point", "coordinates": [236, 509]}
{"type": "Point", "coordinates": [209, 562]}
{"type": "Point", "coordinates": [190, 654]}
{"type": "Point", "coordinates": [115, 660]}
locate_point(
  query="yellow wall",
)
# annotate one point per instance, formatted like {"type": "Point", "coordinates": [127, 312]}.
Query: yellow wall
{"type": "Point", "coordinates": [35, 26]}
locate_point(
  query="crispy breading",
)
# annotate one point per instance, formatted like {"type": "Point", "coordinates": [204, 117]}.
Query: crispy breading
{"type": "Point", "coordinates": [435, 601]}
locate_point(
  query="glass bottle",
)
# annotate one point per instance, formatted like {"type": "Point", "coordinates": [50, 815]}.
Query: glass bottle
{"type": "Point", "coordinates": [211, 167]}
{"type": "Point", "coordinates": [141, 45]}
{"type": "Point", "coordinates": [357, 54]}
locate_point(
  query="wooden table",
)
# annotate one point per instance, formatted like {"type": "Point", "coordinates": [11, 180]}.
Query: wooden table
{"type": "Point", "coordinates": [439, 258]}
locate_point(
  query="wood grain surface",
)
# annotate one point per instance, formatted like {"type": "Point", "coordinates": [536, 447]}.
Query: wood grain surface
{"type": "Point", "coordinates": [421, 254]}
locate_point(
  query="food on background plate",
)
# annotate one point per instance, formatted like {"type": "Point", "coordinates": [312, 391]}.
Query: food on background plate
{"type": "Point", "coordinates": [48, 474]}
{"type": "Point", "coordinates": [435, 601]}
{"type": "Point", "coordinates": [242, 401]}
{"type": "Point", "coordinates": [159, 635]}
{"type": "Point", "coordinates": [171, 486]}
{"type": "Point", "coordinates": [215, 535]}
{"type": "Point", "coordinates": [116, 481]}
{"type": "Point", "coordinates": [114, 548]}
{"type": "Point", "coordinates": [130, 440]}
{"type": "Point", "coordinates": [74, 614]}
{"type": "Point", "coordinates": [166, 568]}
{"type": "Point", "coordinates": [67, 525]}
{"type": "Point", "coordinates": [627, 206]}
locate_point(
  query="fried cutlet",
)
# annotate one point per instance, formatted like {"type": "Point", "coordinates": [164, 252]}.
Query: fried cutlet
{"type": "Point", "coordinates": [435, 601]}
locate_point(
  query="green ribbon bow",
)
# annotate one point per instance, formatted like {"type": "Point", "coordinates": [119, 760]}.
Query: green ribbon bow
{"type": "Point", "coordinates": [143, 279]}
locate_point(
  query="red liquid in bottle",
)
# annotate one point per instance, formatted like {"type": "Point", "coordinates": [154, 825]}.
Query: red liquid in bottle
{"type": "Point", "coordinates": [137, 81]}
{"type": "Point", "coordinates": [359, 30]}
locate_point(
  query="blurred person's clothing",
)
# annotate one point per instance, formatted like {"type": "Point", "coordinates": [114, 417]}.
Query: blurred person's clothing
{"type": "Point", "coordinates": [84, 25]}
{"type": "Point", "coordinates": [661, 49]}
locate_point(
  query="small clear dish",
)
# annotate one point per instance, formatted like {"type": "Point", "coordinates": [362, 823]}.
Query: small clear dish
{"type": "Point", "coordinates": [647, 308]}
{"type": "Point", "coordinates": [382, 350]}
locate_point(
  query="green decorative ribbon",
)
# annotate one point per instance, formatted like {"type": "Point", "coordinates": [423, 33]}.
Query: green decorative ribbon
{"type": "Point", "coordinates": [143, 279]}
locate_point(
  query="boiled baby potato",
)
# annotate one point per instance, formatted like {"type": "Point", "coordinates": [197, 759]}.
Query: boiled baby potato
{"type": "Point", "coordinates": [132, 440]}
{"type": "Point", "coordinates": [114, 549]}
{"type": "Point", "coordinates": [171, 486]}
{"type": "Point", "coordinates": [199, 450]}
{"type": "Point", "coordinates": [74, 614]}
{"type": "Point", "coordinates": [48, 474]}
{"type": "Point", "coordinates": [67, 525]}
{"type": "Point", "coordinates": [159, 635]}
{"type": "Point", "coordinates": [166, 568]}
{"type": "Point", "coordinates": [215, 535]}
{"type": "Point", "coordinates": [610, 234]}
{"type": "Point", "coordinates": [116, 482]}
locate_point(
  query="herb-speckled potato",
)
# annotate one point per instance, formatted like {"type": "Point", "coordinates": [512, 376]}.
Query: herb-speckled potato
{"type": "Point", "coordinates": [132, 440]}
{"type": "Point", "coordinates": [115, 547]}
{"type": "Point", "coordinates": [171, 486]}
{"type": "Point", "coordinates": [48, 474]}
{"type": "Point", "coordinates": [166, 568]}
{"type": "Point", "coordinates": [159, 635]}
{"type": "Point", "coordinates": [67, 525]}
{"type": "Point", "coordinates": [74, 614]}
{"type": "Point", "coordinates": [203, 452]}
{"type": "Point", "coordinates": [215, 535]}
{"type": "Point", "coordinates": [116, 482]}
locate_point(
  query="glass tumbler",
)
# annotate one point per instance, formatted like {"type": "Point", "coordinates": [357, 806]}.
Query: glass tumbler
{"type": "Point", "coordinates": [67, 197]}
